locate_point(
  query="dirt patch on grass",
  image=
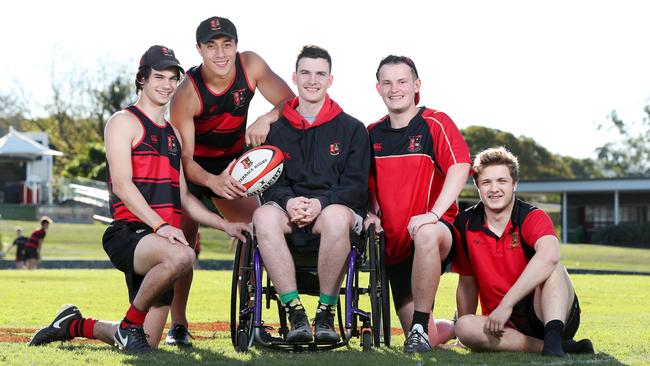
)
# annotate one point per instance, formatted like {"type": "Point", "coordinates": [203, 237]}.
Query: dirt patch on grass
{"type": "Point", "coordinates": [23, 335]}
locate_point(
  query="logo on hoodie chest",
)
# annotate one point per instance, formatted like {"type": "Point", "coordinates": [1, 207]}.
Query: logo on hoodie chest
{"type": "Point", "coordinates": [335, 148]}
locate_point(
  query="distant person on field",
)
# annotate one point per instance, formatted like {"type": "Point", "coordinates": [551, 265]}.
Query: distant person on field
{"type": "Point", "coordinates": [509, 259]}
{"type": "Point", "coordinates": [147, 198]}
{"type": "Point", "coordinates": [19, 243]}
{"type": "Point", "coordinates": [35, 244]}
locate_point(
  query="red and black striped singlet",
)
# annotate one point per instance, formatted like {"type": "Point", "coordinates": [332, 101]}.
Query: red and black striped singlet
{"type": "Point", "coordinates": [156, 162]}
{"type": "Point", "coordinates": [220, 126]}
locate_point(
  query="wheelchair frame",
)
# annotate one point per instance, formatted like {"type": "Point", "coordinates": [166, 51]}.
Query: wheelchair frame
{"type": "Point", "coordinates": [247, 290]}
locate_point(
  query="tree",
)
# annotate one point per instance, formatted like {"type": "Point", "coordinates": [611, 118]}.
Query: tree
{"type": "Point", "coordinates": [536, 162]}
{"type": "Point", "coordinates": [629, 156]}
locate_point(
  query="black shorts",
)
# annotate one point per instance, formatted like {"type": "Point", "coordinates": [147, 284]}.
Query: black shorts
{"type": "Point", "coordinates": [21, 255]}
{"type": "Point", "coordinates": [120, 240]}
{"type": "Point", "coordinates": [399, 275]}
{"type": "Point", "coordinates": [525, 320]}
{"type": "Point", "coordinates": [31, 253]}
{"type": "Point", "coordinates": [213, 166]}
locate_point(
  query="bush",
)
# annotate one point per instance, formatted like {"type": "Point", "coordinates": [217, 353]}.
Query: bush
{"type": "Point", "coordinates": [634, 235]}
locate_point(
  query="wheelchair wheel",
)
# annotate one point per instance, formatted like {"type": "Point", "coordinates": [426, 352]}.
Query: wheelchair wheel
{"type": "Point", "coordinates": [385, 292]}
{"type": "Point", "coordinates": [241, 292]}
{"type": "Point", "coordinates": [366, 341]}
{"type": "Point", "coordinates": [375, 295]}
{"type": "Point", "coordinates": [242, 342]}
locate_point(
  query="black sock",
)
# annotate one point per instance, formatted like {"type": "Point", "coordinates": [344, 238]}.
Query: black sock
{"type": "Point", "coordinates": [325, 307]}
{"type": "Point", "coordinates": [553, 338]}
{"type": "Point", "coordinates": [292, 306]}
{"type": "Point", "coordinates": [422, 319]}
{"type": "Point", "coordinates": [583, 347]}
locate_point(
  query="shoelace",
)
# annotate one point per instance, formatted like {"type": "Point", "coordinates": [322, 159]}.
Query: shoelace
{"type": "Point", "coordinates": [415, 337]}
{"type": "Point", "coordinates": [180, 331]}
{"type": "Point", "coordinates": [140, 337]}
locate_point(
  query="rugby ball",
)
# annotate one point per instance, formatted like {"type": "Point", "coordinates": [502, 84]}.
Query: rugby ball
{"type": "Point", "coordinates": [258, 168]}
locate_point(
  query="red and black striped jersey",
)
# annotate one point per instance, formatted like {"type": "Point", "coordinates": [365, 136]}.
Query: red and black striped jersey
{"type": "Point", "coordinates": [408, 171]}
{"type": "Point", "coordinates": [220, 125]}
{"type": "Point", "coordinates": [156, 163]}
{"type": "Point", "coordinates": [33, 240]}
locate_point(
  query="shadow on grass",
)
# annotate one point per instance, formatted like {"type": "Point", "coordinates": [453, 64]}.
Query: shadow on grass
{"type": "Point", "coordinates": [393, 356]}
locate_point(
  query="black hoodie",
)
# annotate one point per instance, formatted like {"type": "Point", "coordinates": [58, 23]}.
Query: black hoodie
{"type": "Point", "coordinates": [328, 159]}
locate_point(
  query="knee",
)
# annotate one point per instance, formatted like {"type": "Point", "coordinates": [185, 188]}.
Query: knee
{"type": "Point", "coordinates": [266, 218]}
{"type": "Point", "coordinates": [428, 238]}
{"type": "Point", "coordinates": [335, 220]}
{"type": "Point", "coordinates": [182, 261]}
{"type": "Point", "coordinates": [468, 330]}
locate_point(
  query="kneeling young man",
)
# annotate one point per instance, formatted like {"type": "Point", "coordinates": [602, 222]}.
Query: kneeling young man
{"type": "Point", "coordinates": [147, 198]}
{"type": "Point", "coordinates": [420, 165]}
{"type": "Point", "coordinates": [510, 260]}
{"type": "Point", "coordinates": [322, 189]}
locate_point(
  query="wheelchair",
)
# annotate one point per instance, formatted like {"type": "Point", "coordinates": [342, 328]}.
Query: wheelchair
{"type": "Point", "coordinates": [249, 293]}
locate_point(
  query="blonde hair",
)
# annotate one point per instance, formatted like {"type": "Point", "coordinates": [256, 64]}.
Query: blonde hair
{"type": "Point", "coordinates": [496, 156]}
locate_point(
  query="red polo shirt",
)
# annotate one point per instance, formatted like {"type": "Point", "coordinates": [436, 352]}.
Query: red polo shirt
{"type": "Point", "coordinates": [497, 262]}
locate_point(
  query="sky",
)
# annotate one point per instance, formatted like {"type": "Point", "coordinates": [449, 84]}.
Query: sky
{"type": "Point", "coordinates": [551, 70]}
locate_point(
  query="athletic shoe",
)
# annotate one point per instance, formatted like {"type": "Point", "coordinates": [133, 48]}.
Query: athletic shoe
{"type": "Point", "coordinates": [58, 329]}
{"type": "Point", "coordinates": [300, 330]}
{"type": "Point", "coordinates": [581, 347]}
{"type": "Point", "coordinates": [417, 341]}
{"type": "Point", "coordinates": [324, 326]}
{"type": "Point", "coordinates": [178, 336]}
{"type": "Point", "coordinates": [132, 339]}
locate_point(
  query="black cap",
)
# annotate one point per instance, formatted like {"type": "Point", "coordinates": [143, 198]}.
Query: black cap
{"type": "Point", "coordinates": [215, 26]}
{"type": "Point", "coordinates": [159, 58]}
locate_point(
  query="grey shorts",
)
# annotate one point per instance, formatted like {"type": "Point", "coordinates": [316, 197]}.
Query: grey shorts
{"type": "Point", "coordinates": [357, 228]}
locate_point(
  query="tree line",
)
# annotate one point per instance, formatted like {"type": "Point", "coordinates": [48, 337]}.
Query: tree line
{"type": "Point", "coordinates": [81, 105]}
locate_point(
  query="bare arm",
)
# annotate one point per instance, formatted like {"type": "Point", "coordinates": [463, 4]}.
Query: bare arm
{"type": "Point", "coordinates": [466, 296]}
{"type": "Point", "coordinates": [454, 183]}
{"type": "Point", "coordinates": [184, 105]}
{"type": "Point", "coordinates": [538, 270]}
{"type": "Point", "coordinates": [199, 213]}
{"type": "Point", "coordinates": [273, 88]}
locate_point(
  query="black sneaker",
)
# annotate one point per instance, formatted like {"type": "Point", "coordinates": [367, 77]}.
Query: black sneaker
{"type": "Point", "coordinates": [58, 329]}
{"type": "Point", "coordinates": [178, 336]}
{"type": "Point", "coordinates": [132, 339]}
{"type": "Point", "coordinates": [417, 341]}
{"type": "Point", "coordinates": [300, 330]}
{"type": "Point", "coordinates": [324, 325]}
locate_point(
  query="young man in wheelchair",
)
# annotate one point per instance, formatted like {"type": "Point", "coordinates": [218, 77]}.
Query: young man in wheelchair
{"type": "Point", "coordinates": [322, 190]}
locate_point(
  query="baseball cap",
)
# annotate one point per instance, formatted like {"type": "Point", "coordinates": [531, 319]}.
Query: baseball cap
{"type": "Point", "coordinates": [159, 58]}
{"type": "Point", "coordinates": [215, 26]}
{"type": "Point", "coordinates": [392, 59]}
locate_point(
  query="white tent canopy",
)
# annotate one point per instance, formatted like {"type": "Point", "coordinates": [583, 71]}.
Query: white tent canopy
{"type": "Point", "coordinates": [18, 145]}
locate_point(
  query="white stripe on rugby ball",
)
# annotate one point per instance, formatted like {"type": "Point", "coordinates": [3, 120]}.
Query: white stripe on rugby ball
{"type": "Point", "coordinates": [258, 168]}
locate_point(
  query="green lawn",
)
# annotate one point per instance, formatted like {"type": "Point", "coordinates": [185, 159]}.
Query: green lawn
{"type": "Point", "coordinates": [84, 241]}
{"type": "Point", "coordinates": [614, 316]}
{"type": "Point", "coordinates": [78, 241]}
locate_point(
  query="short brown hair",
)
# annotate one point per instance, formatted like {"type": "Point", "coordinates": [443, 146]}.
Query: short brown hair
{"type": "Point", "coordinates": [496, 156]}
{"type": "Point", "coordinates": [45, 220]}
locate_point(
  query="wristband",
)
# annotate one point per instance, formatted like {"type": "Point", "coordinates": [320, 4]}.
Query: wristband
{"type": "Point", "coordinates": [438, 217]}
{"type": "Point", "coordinates": [160, 225]}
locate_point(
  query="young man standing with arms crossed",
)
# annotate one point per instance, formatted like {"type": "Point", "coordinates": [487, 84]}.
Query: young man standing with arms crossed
{"type": "Point", "coordinates": [210, 110]}
{"type": "Point", "coordinates": [147, 197]}
{"type": "Point", "coordinates": [420, 165]}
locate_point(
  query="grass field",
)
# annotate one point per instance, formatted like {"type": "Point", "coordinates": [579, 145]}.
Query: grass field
{"type": "Point", "coordinates": [74, 241]}
{"type": "Point", "coordinates": [614, 312]}
{"type": "Point", "coordinates": [614, 316]}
